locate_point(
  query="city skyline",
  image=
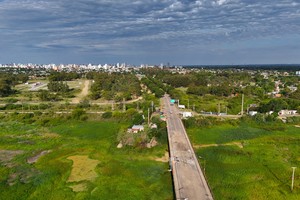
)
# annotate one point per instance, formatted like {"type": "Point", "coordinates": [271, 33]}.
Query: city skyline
{"type": "Point", "coordinates": [209, 32]}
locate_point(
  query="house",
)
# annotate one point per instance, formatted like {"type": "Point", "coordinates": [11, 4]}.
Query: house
{"type": "Point", "coordinates": [287, 112]}
{"type": "Point", "coordinates": [181, 106]}
{"type": "Point", "coordinates": [137, 128]}
{"type": "Point", "coordinates": [252, 113]}
{"type": "Point", "coordinates": [187, 114]}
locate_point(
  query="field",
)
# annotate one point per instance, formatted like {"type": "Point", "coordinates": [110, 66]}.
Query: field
{"type": "Point", "coordinates": [247, 162]}
{"type": "Point", "coordinates": [78, 160]}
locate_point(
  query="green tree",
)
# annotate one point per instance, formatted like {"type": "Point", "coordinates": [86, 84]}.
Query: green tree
{"type": "Point", "coordinates": [58, 86]}
{"type": "Point", "coordinates": [5, 88]}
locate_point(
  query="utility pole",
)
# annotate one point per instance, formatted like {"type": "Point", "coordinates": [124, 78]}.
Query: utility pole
{"type": "Point", "coordinates": [148, 116]}
{"type": "Point", "coordinates": [152, 105]}
{"type": "Point", "coordinates": [124, 106]}
{"type": "Point", "coordinates": [293, 176]}
{"type": "Point", "coordinates": [112, 106]}
{"type": "Point", "coordinates": [242, 110]}
{"type": "Point", "coordinates": [178, 102]}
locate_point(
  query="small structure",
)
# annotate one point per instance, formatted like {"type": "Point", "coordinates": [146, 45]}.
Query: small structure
{"type": "Point", "coordinates": [252, 113]}
{"type": "Point", "coordinates": [287, 112]}
{"type": "Point", "coordinates": [187, 114]}
{"type": "Point", "coordinates": [137, 128]}
{"type": "Point", "coordinates": [153, 126]}
{"type": "Point", "coordinates": [181, 106]}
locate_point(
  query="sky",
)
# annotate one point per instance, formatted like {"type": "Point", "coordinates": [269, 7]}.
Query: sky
{"type": "Point", "coordinates": [178, 32]}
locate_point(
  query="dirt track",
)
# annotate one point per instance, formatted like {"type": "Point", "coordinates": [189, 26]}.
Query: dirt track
{"type": "Point", "coordinates": [84, 92]}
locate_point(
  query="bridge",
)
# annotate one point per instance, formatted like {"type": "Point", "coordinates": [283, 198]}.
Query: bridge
{"type": "Point", "coordinates": [188, 178]}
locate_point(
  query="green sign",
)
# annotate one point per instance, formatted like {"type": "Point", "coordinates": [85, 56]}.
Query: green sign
{"type": "Point", "coordinates": [172, 100]}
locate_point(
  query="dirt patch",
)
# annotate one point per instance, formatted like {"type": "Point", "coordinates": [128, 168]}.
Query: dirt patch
{"type": "Point", "coordinates": [153, 142]}
{"type": "Point", "coordinates": [165, 158]}
{"type": "Point", "coordinates": [239, 144]}
{"type": "Point", "coordinates": [83, 169]}
{"type": "Point", "coordinates": [84, 92]}
{"type": "Point", "coordinates": [79, 187]}
{"type": "Point", "coordinates": [23, 176]}
{"type": "Point", "coordinates": [36, 157]}
{"type": "Point", "coordinates": [6, 156]}
{"type": "Point", "coordinates": [50, 135]}
{"type": "Point", "coordinates": [20, 136]}
{"type": "Point", "coordinates": [297, 126]}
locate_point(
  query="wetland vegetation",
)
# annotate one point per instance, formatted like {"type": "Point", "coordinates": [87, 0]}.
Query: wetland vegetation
{"type": "Point", "coordinates": [249, 161]}
{"type": "Point", "coordinates": [81, 162]}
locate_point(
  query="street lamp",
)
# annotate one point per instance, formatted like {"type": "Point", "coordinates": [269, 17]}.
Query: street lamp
{"type": "Point", "coordinates": [293, 176]}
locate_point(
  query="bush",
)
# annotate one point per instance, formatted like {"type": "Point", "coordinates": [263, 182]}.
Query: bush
{"type": "Point", "coordinates": [107, 115]}
{"type": "Point", "coordinates": [11, 100]}
{"type": "Point", "coordinates": [78, 114]}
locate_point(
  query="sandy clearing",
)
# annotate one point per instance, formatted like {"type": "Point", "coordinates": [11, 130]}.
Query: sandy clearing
{"type": "Point", "coordinates": [83, 168]}
{"type": "Point", "coordinates": [81, 187]}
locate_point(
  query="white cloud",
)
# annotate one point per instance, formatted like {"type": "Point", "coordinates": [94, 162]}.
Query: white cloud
{"type": "Point", "coordinates": [94, 24]}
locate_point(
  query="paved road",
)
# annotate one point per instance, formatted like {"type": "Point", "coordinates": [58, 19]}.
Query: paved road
{"type": "Point", "coordinates": [189, 181]}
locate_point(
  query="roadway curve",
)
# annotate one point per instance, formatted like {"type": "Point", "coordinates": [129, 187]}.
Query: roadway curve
{"type": "Point", "coordinates": [189, 181]}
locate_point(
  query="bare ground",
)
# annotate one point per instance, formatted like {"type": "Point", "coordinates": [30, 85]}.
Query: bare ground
{"type": "Point", "coordinates": [6, 156]}
{"type": "Point", "coordinates": [35, 158]}
{"type": "Point", "coordinates": [83, 169]}
{"type": "Point", "coordinates": [84, 92]}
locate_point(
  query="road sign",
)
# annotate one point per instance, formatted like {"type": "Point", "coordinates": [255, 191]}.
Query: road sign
{"type": "Point", "coordinates": [172, 100]}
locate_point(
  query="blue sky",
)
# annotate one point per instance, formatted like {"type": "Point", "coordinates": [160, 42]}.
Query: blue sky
{"type": "Point", "coordinates": [150, 31]}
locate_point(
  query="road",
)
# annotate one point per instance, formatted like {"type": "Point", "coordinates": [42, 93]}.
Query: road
{"type": "Point", "coordinates": [84, 92]}
{"type": "Point", "coordinates": [189, 181]}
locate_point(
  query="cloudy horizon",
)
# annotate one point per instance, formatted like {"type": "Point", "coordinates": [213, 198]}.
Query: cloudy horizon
{"type": "Point", "coordinates": [150, 31]}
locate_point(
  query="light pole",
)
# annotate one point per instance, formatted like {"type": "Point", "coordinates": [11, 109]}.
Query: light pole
{"type": "Point", "coordinates": [293, 176]}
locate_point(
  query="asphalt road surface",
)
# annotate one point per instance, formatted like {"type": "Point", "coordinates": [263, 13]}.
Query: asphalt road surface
{"type": "Point", "coordinates": [189, 181]}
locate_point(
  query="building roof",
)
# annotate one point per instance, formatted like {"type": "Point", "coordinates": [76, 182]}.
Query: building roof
{"type": "Point", "coordinates": [137, 127]}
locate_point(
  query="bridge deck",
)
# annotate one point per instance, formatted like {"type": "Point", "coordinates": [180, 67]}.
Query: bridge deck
{"type": "Point", "coordinates": [189, 181]}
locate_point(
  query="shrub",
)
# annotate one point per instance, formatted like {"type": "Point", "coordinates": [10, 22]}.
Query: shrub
{"type": "Point", "coordinates": [107, 115]}
{"type": "Point", "coordinates": [78, 114]}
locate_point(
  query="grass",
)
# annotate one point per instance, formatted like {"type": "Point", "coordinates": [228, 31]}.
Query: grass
{"type": "Point", "coordinates": [259, 170]}
{"type": "Point", "coordinates": [128, 173]}
{"type": "Point", "coordinates": [83, 168]}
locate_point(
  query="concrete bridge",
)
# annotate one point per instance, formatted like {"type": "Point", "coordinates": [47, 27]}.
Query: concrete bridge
{"type": "Point", "coordinates": [189, 181]}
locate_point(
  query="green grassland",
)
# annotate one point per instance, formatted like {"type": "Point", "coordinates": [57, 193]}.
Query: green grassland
{"type": "Point", "coordinates": [127, 173]}
{"type": "Point", "coordinates": [249, 162]}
